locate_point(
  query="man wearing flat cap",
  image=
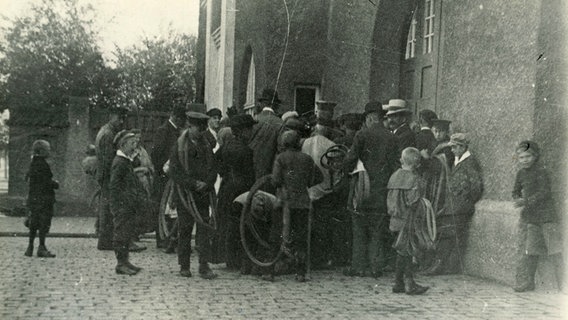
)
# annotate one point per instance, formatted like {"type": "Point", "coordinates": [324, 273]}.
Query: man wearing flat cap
{"type": "Point", "coordinates": [398, 116]}
{"type": "Point", "coordinates": [236, 168]}
{"type": "Point", "coordinates": [106, 151]}
{"type": "Point", "coordinates": [193, 170]}
{"type": "Point", "coordinates": [466, 188]}
{"type": "Point", "coordinates": [164, 139]}
{"type": "Point", "coordinates": [375, 148]}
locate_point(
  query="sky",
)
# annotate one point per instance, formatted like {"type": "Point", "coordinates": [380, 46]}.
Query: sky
{"type": "Point", "coordinates": [126, 22]}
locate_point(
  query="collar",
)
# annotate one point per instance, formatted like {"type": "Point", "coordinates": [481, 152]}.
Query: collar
{"type": "Point", "coordinates": [172, 123]}
{"type": "Point", "coordinates": [402, 125]}
{"type": "Point", "coordinates": [122, 154]}
{"type": "Point", "coordinates": [268, 109]}
{"type": "Point", "coordinates": [212, 132]}
{"type": "Point", "coordinates": [465, 155]}
{"type": "Point", "coordinates": [425, 128]}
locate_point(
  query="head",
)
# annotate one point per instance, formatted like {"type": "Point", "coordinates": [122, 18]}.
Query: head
{"type": "Point", "coordinates": [41, 148]}
{"type": "Point", "coordinates": [290, 139]}
{"type": "Point", "coordinates": [459, 144]}
{"type": "Point", "coordinates": [426, 118]}
{"type": "Point", "coordinates": [410, 158]}
{"type": "Point", "coordinates": [241, 126]}
{"type": "Point", "coordinates": [290, 115]}
{"type": "Point", "coordinates": [373, 118]}
{"type": "Point", "coordinates": [125, 141]}
{"type": "Point", "coordinates": [118, 116]}
{"type": "Point", "coordinates": [397, 113]}
{"type": "Point", "coordinates": [269, 98]}
{"type": "Point", "coordinates": [441, 129]}
{"type": "Point", "coordinates": [196, 122]}
{"type": "Point", "coordinates": [177, 116]}
{"type": "Point", "coordinates": [528, 153]}
{"type": "Point", "coordinates": [137, 136]}
{"type": "Point", "coordinates": [214, 119]}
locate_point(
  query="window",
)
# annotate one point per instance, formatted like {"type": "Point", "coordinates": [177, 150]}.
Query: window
{"type": "Point", "coordinates": [305, 97]}
{"type": "Point", "coordinates": [411, 39]}
{"type": "Point", "coordinates": [428, 26]}
{"type": "Point", "coordinates": [250, 94]}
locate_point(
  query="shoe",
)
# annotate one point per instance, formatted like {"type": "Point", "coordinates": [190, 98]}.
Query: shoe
{"type": "Point", "coordinates": [42, 252]}
{"type": "Point", "coordinates": [124, 269]}
{"type": "Point", "coordinates": [267, 277]}
{"type": "Point", "coordinates": [245, 268]}
{"type": "Point", "coordinates": [170, 250]}
{"type": "Point", "coordinates": [29, 252]}
{"type": "Point", "coordinates": [101, 247]}
{"type": "Point", "coordinates": [185, 273]}
{"type": "Point", "coordinates": [133, 267]}
{"type": "Point", "coordinates": [398, 288]}
{"type": "Point", "coordinates": [206, 273]}
{"type": "Point", "coordinates": [416, 289]}
{"type": "Point", "coordinates": [525, 288]}
{"type": "Point", "coordinates": [300, 278]}
{"type": "Point", "coordinates": [133, 247]}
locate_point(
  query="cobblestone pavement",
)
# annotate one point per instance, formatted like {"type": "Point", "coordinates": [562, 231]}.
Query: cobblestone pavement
{"type": "Point", "coordinates": [81, 284]}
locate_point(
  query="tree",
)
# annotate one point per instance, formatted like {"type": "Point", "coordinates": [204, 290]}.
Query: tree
{"type": "Point", "coordinates": [50, 54]}
{"type": "Point", "coordinates": [157, 74]}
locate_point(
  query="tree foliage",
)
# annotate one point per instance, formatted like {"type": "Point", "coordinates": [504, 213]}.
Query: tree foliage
{"type": "Point", "coordinates": [158, 73]}
{"type": "Point", "coordinates": [50, 54]}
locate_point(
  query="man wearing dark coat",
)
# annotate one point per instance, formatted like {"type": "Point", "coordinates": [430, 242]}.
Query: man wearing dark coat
{"type": "Point", "coordinates": [213, 126]}
{"type": "Point", "coordinates": [465, 189]}
{"type": "Point", "coordinates": [425, 139]}
{"type": "Point", "coordinates": [236, 168]}
{"type": "Point", "coordinates": [165, 137]}
{"type": "Point", "coordinates": [398, 116]}
{"type": "Point", "coordinates": [192, 167]}
{"type": "Point", "coordinates": [106, 152]}
{"type": "Point", "coordinates": [377, 150]}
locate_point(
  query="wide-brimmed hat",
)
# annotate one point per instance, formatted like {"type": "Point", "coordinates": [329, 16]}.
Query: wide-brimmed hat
{"type": "Point", "coordinates": [397, 106]}
{"type": "Point", "coordinates": [269, 95]}
{"type": "Point", "coordinates": [215, 112]}
{"type": "Point", "coordinates": [458, 139]}
{"type": "Point", "coordinates": [196, 115]}
{"type": "Point", "coordinates": [241, 121]}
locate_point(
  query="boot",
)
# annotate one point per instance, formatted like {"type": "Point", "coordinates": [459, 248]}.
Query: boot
{"type": "Point", "coordinates": [29, 251]}
{"type": "Point", "coordinates": [42, 252]}
{"type": "Point", "coordinates": [399, 276]}
{"type": "Point", "coordinates": [205, 272]}
{"type": "Point", "coordinates": [184, 272]}
{"type": "Point", "coordinates": [122, 262]}
{"type": "Point", "coordinates": [133, 247]}
{"type": "Point", "coordinates": [411, 287]}
{"type": "Point", "coordinates": [133, 267]}
{"type": "Point", "coordinates": [526, 271]}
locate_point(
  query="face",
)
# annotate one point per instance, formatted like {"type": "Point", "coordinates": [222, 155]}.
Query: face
{"type": "Point", "coordinates": [213, 123]}
{"type": "Point", "coordinates": [180, 122]}
{"type": "Point", "coordinates": [192, 128]}
{"type": "Point", "coordinates": [395, 121]}
{"type": "Point", "coordinates": [439, 134]}
{"type": "Point", "coordinates": [526, 159]}
{"type": "Point", "coordinates": [458, 150]}
{"type": "Point", "coordinates": [129, 146]}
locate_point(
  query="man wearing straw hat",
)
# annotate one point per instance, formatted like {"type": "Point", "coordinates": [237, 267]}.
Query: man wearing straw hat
{"type": "Point", "coordinates": [398, 116]}
{"type": "Point", "coordinates": [192, 169]}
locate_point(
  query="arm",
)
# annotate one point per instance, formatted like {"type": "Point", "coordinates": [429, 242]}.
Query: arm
{"type": "Point", "coordinates": [354, 153]}
{"type": "Point", "coordinates": [178, 174]}
{"type": "Point", "coordinates": [543, 190]}
{"type": "Point", "coordinates": [277, 173]}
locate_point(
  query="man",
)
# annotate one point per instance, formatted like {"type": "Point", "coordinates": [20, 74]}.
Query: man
{"type": "Point", "coordinates": [213, 126]}
{"type": "Point", "coordinates": [425, 140]}
{"type": "Point", "coordinates": [441, 132]}
{"type": "Point", "coordinates": [192, 168]}
{"type": "Point", "coordinates": [106, 151]}
{"type": "Point", "coordinates": [264, 139]}
{"type": "Point", "coordinates": [324, 120]}
{"type": "Point", "coordinates": [165, 137]}
{"type": "Point", "coordinates": [465, 188]}
{"type": "Point", "coordinates": [377, 150]}
{"type": "Point", "coordinates": [398, 116]}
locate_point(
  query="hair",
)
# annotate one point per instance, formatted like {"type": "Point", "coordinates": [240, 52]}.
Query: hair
{"type": "Point", "coordinates": [374, 116]}
{"type": "Point", "coordinates": [40, 148]}
{"type": "Point", "coordinates": [290, 139]}
{"type": "Point", "coordinates": [411, 157]}
{"type": "Point", "coordinates": [427, 116]}
{"type": "Point", "coordinates": [528, 146]}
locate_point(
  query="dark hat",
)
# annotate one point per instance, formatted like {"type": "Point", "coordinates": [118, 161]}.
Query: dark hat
{"type": "Point", "coordinates": [441, 124]}
{"type": "Point", "coordinates": [269, 95]}
{"type": "Point", "coordinates": [428, 115]}
{"type": "Point", "coordinates": [458, 139]}
{"type": "Point", "coordinates": [192, 115]}
{"type": "Point", "coordinates": [215, 112]}
{"type": "Point", "coordinates": [325, 105]}
{"type": "Point", "coordinates": [122, 136]}
{"type": "Point", "coordinates": [374, 106]}
{"type": "Point", "coordinates": [290, 139]}
{"type": "Point", "coordinates": [397, 106]}
{"type": "Point", "coordinates": [179, 110]}
{"type": "Point", "coordinates": [118, 110]}
{"type": "Point", "coordinates": [197, 107]}
{"type": "Point", "coordinates": [241, 121]}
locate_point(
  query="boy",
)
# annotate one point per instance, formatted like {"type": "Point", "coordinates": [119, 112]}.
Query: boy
{"type": "Point", "coordinates": [408, 212]}
{"type": "Point", "coordinates": [41, 198]}
{"type": "Point", "coordinates": [293, 173]}
{"type": "Point", "coordinates": [539, 227]}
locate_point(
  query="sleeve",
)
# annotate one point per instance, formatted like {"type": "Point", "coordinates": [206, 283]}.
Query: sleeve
{"type": "Point", "coordinates": [476, 183]}
{"type": "Point", "coordinates": [212, 166]}
{"type": "Point", "coordinates": [178, 174]}
{"type": "Point", "coordinates": [277, 173]}
{"type": "Point", "coordinates": [159, 153]}
{"type": "Point", "coordinates": [117, 184]}
{"type": "Point", "coordinates": [354, 153]}
{"type": "Point", "coordinates": [106, 154]}
{"type": "Point", "coordinates": [517, 187]}
{"type": "Point", "coordinates": [543, 190]}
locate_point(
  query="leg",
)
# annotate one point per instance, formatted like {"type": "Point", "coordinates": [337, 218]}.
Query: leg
{"type": "Point", "coordinates": [105, 221]}
{"type": "Point", "coordinates": [411, 287]}
{"type": "Point", "coordinates": [30, 250]}
{"type": "Point", "coordinates": [525, 272]}
{"type": "Point", "coordinates": [375, 244]}
{"type": "Point", "coordinates": [299, 228]}
{"type": "Point", "coordinates": [185, 228]}
{"type": "Point", "coordinates": [399, 275]}
{"type": "Point", "coordinates": [44, 220]}
{"type": "Point", "coordinates": [203, 237]}
{"type": "Point", "coordinates": [360, 242]}
{"type": "Point", "coordinates": [122, 233]}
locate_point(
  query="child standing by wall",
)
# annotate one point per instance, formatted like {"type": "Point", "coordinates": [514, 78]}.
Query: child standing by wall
{"type": "Point", "coordinates": [539, 229]}
{"type": "Point", "coordinates": [41, 198]}
{"type": "Point", "coordinates": [408, 210]}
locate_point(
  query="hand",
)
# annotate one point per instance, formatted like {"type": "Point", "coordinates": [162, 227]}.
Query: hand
{"type": "Point", "coordinates": [200, 186]}
{"type": "Point", "coordinates": [520, 202]}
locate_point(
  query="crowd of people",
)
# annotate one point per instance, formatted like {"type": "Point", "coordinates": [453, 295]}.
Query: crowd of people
{"type": "Point", "coordinates": [369, 192]}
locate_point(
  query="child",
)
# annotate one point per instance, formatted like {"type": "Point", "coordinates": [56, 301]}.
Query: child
{"type": "Point", "coordinates": [408, 210]}
{"type": "Point", "coordinates": [539, 228]}
{"type": "Point", "coordinates": [41, 198]}
{"type": "Point", "coordinates": [293, 173]}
